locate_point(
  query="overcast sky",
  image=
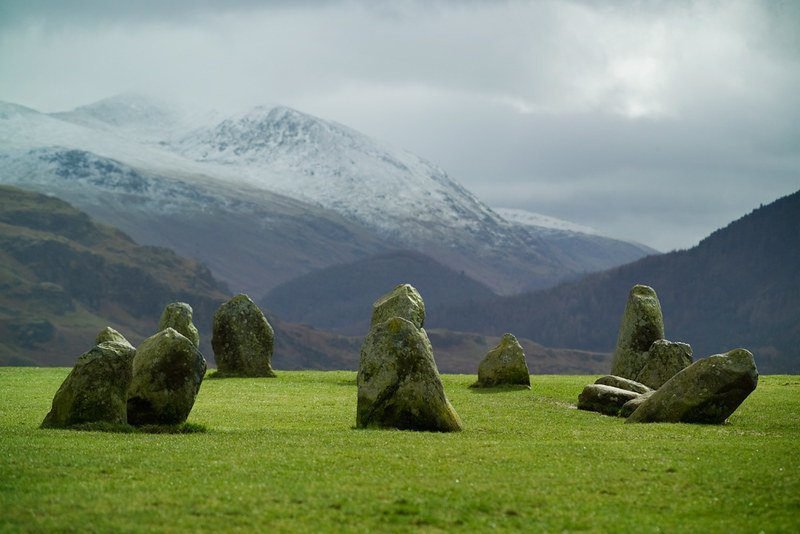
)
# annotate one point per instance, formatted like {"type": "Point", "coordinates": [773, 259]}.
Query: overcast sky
{"type": "Point", "coordinates": [654, 121]}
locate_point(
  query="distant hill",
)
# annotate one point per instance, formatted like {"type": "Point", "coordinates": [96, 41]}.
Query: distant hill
{"type": "Point", "coordinates": [738, 287]}
{"type": "Point", "coordinates": [340, 297]}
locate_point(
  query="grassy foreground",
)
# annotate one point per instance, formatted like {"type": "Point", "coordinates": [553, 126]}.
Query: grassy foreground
{"type": "Point", "coordinates": [281, 454]}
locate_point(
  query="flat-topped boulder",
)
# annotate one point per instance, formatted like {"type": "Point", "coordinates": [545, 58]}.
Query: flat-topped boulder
{"type": "Point", "coordinates": [96, 389]}
{"type": "Point", "coordinates": [167, 373]}
{"type": "Point", "coordinates": [622, 383]}
{"type": "Point", "coordinates": [708, 391]}
{"type": "Point", "coordinates": [178, 316]}
{"type": "Point", "coordinates": [398, 382]}
{"type": "Point", "coordinates": [642, 324]}
{"type": "Point", "coordinates": [604, 399]}
{"type": "Point", "coordinates": [403, 301]}
{"type": "Point", "coordinates": [504, 365]}
{"type": "Point", "coordinates": [663, 360]}
{"type": "Point", "coordinates": [242, 339]}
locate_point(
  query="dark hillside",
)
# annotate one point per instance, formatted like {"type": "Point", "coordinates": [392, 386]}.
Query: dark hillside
{"type": "Point", "coordinates": [738, 287]}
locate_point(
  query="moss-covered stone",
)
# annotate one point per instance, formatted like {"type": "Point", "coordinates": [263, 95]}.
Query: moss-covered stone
{"type": "Point", "coordinates": [604, 399]}
{"type": "Point", "coordinates": [398, 382]}
{"type": "Point", "coordinates": [178, 316]}
{"type": "Point", "coordinates": [95, 391]}
{"type": "Point", "coordinates": [504, 365]}
{"type": "Point", "coordinates": [629, 407]}
{"type": "Point", "coordinates": [642, 324]}
{"type": "Point", "coordinates": [108, 334]}
{"type": "Point", "coordinates": [167, 373]}
{"type": "Point", "coordinates": [708, 391]}
{"type": "Point", "coordinates": [663, 361]}
{"type": "Point", "coordinates": [242, 339]}
{"type": "Point", "coordinates": [403, 301]}
{"type": "Point", "coordinates": [622, 383]}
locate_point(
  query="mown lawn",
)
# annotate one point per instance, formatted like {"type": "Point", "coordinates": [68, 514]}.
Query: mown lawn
{"type": "Point", "coordinates": [282, 455]}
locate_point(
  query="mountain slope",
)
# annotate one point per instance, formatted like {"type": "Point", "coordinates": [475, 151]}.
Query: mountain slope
{"type": "Point", "coordinates": [739, 287]}
{"type": "Point", "coordinates": [340, 297]}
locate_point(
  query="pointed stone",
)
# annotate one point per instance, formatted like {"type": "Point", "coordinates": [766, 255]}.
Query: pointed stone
{"type": "Point", "coordinates": [398, 382]}
{"type": "Point", "coordinates": [242, 339]}
{"type": "Point", "coordinates": [504, 365]}
{"type": "Point", "coordinates": [403, 301]}
{"type": "Point", "coordinates": [108, 334]}
{"type": "Point", "coordinates": [167, 373]}
{"type": "Point", "coordinates": [708, 391]}
{"type": "Point", "coordinates": [642, 324]}
{"type": "Point", "coordinates": [96, 389]}
{"type": "Point", "coordinates": [178, 316]}
{"type": "Point", "coordinates": [663, 361]}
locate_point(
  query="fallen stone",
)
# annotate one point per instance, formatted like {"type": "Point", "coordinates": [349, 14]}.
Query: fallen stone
{"type": "Point", "coordinates": [504, 365]}
{"type": "Point", "coordinates": [178, 316]}
{"type": "Point", "coordinates": [242, 339]}
{"type": "Point", "coordinates": [604, 399]}
{"type": "Point", "coordinates": [622, 383]}
{"type": "Point", "coordinates": [398, 382]}
{"type": "Point", "coordinates": [642, 324]}
{"type": "Point", "coordinates": [664, 360]}
{"type": "Point", "coordinates": [708, 391]}
{"type": "Point", "coordinates": [96, 389]}
{"type": "Point", "coordinates": [108, 334]}
{"type": "Point", "coordinates": [167, 373]}
{"type": "Point", "coordinates": [629, 407]}
{"type": "Point", "coordinates": [403, 301]}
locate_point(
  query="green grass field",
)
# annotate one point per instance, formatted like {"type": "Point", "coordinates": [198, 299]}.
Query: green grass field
{"type": "Point", "coordinates": [282, 455]}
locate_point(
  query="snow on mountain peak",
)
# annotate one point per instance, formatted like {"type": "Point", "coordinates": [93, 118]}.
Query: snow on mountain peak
{"type": "Point", "coordinates": [537, 220]}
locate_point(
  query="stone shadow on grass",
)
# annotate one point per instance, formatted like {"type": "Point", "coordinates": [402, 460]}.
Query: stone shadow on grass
{"type": "Point", "coordinates": [504, 388]}
{"type": "Point", "coordinates": [102, 426]}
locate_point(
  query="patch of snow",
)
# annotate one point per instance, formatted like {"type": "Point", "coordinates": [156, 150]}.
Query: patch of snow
{"type": "Point", "coordinates": [537, 220]}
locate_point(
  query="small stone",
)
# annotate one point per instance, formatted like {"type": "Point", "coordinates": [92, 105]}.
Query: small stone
{"type": "Point", "coordinates": [663, 361]}
{"type": "Point", "coordinates": [242, 339]}
{"type": "Point", "coordinates": [504, 365]}
{"type": "Point", "coordinates": [642, 324]}
{"type": "Point", "coordinates": [167, 373]}
{"type": "Point", "coordinates": [622, 383]}
{"type": "Point", "coordinates": [96, 389]}
{"type": "Point", "coordinates": [629, 407]}
{"type": "Point", "coordinates": [178, 316]}
{"type": "Point", "coordinates": [708, 391]}
{"type": "Point", "coordinates": [403, 301]}
{"type": "Point", "coordinates": [398, 382]}
{"type": "Point", "coordinates": [604, 399]}
{"type": "Point", "coordinates": [109, 334]}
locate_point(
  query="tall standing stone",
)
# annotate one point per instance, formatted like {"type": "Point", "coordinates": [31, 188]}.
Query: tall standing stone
{"type": "Point", "coordinates": [403, 301]}
{"type": "Point", "coordinates": [178, 316]}
{"type": "Point", "coordinates": [642, 324]}
{"type": "Point", "coordinates": [96, 389]}
{"type": "Point", "coordinates": [242, 339]}
{"type": "Point", "coordinates": [398, 382]}
{"type": "Point", "coordinates": [167, 373]}
{"type": "Point", "coordinates": [504, 365]}
{"type": "Point", "coordinates": [708, 391]}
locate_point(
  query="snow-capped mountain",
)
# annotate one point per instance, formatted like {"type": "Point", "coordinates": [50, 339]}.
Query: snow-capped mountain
{"type": "Point", "coordinates": [542, 222]}
{"type": "Point", "coordinates": [316, 191]}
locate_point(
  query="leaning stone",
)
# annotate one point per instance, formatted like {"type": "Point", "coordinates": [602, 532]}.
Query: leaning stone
{"type": "Point", "coordinates": [663, 361]}
{"type": "Point", "coordinates": [109, 334]}
{"type": "Point", "coordinates": [708, 391]}
{"type": "Point", "coordinates": [504, 365]}
{"type": "Point", "coordinates": [403, 301]}
{"type": "Point", "coordinates": [398, 382]}
{"type": "Point", "coordinates": [622, 383]}
{"type": "Point", "coordinates": [95, 390]}
{"type": "Point", "coordinates": [242, 339]}
{"type": "Point", "coordinates": [629, 407]}
{"type": "Point", "coordinates": [641, 325]}
{"type": "Point", "coordinates": [167, 373]}
{"type": "Point", "coordinates": [604, 399]}
{"type": "Point", "coordinates": [178, 315]}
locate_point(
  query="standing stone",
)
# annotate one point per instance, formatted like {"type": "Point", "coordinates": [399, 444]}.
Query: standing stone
{"type": "Point", "coordinates": [167, 373]}
{"type": "Point", "coordinates": [642, 324]}
{"type": "Point", "coordinates": [504, 365]}
{"type": "Point", "coordinates": [708, 391]}
{"type": "Point", "coordinates": [663, 361]}
{"type": "Point", "coordinates": [242, 339]}
{"type": "Point", "coordinates": [178, 316]}
{"type": "Point", "coordinates": [604, 399]}
{"type": "Point", "coordinates": [403, 301]}
{"type": "Point", "coordinates": [96, 389]}
{"type": "Point", "coordinates": [622, 383]}
{"type": "Point", "coordinates": [398, 382]}
{"type": "Point", "coordinates": [109, 334]}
